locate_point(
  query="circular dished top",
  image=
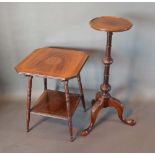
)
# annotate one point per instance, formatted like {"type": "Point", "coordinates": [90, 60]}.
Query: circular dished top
{"type": "Point", "coordinates": [110, 24]}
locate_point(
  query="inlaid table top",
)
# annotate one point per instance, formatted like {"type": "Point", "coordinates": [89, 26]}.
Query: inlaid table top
{"type": "Point", "coordinates": [57, 63]}
{"type": "Point", "coordinates": [110, 24]}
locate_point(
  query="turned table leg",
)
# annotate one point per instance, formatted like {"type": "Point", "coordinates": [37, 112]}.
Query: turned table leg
{"type": "Point", "coordinates": [28, 104]}
{"type": "Point", "coordinates": [81, 92]}
{"type": "Point", "coordinates": [68, 110]}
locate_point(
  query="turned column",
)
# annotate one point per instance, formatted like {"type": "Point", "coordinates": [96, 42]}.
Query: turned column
{"type": "Point", "coordinates": [107, 61]}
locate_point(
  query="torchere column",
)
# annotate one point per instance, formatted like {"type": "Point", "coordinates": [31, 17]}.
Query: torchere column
{"type": "Point", "coordinates": [103, 98]}
{"type": "Point", "coordinates": [107, 61]}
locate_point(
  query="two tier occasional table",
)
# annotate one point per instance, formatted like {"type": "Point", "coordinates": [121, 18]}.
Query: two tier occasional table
{"type": "Point", "coordinates": [55, 63]}
{"type": "Point", "coordinates": [103, 98]}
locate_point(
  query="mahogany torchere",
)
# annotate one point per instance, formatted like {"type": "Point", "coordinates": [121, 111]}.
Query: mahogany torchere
{"type": "Point", "coordinates": [60, 64]}
{"type": "Point", "coordinates": [103, 98]}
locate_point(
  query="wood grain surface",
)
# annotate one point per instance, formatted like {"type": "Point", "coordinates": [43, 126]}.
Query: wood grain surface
{"type": "Point", "coordinates": [110, 24]}
{"type": "Point", "coordinates": [54, 63]}
{"type": "Point", "coordinates": [53, 104]}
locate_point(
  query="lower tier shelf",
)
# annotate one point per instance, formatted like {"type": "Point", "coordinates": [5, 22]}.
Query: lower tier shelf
{"type": "Point", "coordinates": [53, 104]}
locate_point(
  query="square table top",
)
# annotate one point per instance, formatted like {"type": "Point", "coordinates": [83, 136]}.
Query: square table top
{"type": "Point", "coordinates": [57, 63]}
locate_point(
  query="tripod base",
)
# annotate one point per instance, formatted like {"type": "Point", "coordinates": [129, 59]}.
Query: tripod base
{"type": "Point", "coordinates": [101, 102]}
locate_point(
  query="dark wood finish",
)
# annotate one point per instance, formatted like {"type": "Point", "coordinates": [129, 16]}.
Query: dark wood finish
{"type": "Point", "coordinates": [104, 103]}
{"type": "Point", "coordinates": [68, 105]}
{"type": "Point", "coordinates": [45, 83]}
{"type": "Point", "coordinates": [54, 63]}
{"type": "Point", "coordinates": [110, 24]}
{"type": "Point", "coordinates": [116, 104]}
{"type": "Point", "coordinates": [81, 92]}
{"type": "Point", "coordinates": [57, 63]}
{"type": "Point", "coordinates": [52, 103]}
{"type": "Point", "coordinates": [28, 103]}
{"type": "Point", "coordinates": [103, 97]}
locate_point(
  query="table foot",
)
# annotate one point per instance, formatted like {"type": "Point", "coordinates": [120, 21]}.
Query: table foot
{"type": "Point", "coordinates": [70, 129]}
{"type": "Point", "coordinates": [101, 103]}
{"type": "Point", "coordinates": [116, 104]}
{"type": "Point", "coordinates": [95, 110]}
{"type": "Point", "coordinates": [27, 130]}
